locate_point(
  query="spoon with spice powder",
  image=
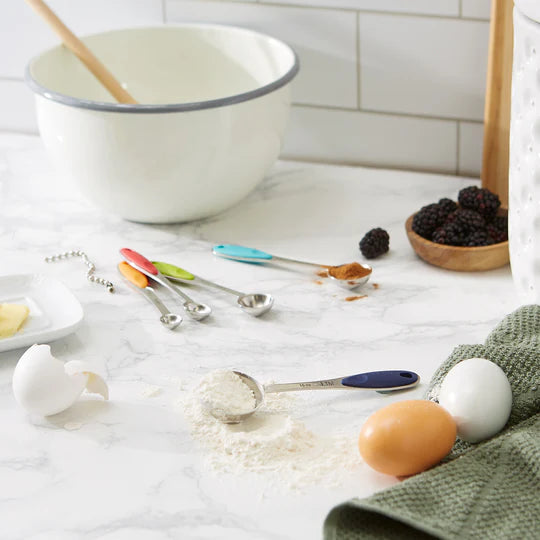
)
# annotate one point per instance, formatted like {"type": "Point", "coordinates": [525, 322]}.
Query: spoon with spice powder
{"type": "Point", "coordinates": [349, 276]}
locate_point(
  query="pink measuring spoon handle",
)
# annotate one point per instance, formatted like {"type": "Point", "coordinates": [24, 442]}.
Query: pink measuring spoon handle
{"type": "Point", "coordinates": [139, 260]}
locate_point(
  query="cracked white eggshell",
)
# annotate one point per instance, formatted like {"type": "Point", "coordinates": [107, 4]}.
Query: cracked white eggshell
{"type": "Point", "coordinates": [477, 393]}
{"type": "Point", "coordinates": [44, 385]}
{"type": "Point", "coordinates": [95, 384]}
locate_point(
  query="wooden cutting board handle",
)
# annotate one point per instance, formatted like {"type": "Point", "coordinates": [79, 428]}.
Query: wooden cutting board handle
{"type": "Point", "coordinates": [495, 159]}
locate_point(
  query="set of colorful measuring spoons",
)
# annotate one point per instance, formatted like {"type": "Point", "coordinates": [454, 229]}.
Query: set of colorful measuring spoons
{"type": "Point", "coordinates": [136, 269]}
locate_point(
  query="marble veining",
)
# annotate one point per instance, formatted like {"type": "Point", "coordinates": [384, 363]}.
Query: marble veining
{"type": "Point", "coordinates": [131, 470]}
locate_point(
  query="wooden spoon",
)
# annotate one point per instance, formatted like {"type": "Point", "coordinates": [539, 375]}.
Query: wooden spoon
{"type": "Point", "coordinates": [85, 55]}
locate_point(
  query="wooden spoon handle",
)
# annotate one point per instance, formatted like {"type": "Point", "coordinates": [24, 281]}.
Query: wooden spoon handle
{"type": "Point", "coordinates": [497, 108]}
{"type": "Point", "coordinates": [85, 55]}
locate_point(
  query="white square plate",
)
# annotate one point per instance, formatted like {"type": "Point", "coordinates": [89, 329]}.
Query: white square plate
{"type": "Point", "coordinates": [54, 310]}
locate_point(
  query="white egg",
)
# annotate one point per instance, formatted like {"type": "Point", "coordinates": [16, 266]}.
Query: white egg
{"type": "Point", "coordinates": [44, 385]}
{"type": "Point", "coordinates": [477, 393]}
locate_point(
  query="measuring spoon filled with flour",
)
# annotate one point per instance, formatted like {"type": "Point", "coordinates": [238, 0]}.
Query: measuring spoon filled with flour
{"type": "Point", "coordinates": [233, 396]}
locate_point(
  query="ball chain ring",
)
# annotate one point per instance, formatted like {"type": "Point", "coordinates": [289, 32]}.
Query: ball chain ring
{"type": "Point", "coordinates": [90, 276]}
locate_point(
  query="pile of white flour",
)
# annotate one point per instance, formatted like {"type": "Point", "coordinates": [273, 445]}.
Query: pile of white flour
{"type": "Point", "coordinates": [226, 393]}
{"type": "Point", "coordinates": [270, 442]}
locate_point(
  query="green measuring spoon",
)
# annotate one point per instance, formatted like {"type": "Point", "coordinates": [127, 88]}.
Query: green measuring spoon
{"type": "Point", "coordinates": [172, 271]}
{"type": "Point", "coordinates": [255, 304]}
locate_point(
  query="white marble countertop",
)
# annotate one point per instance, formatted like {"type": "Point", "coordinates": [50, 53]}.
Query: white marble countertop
{"type": "Point", "coordinates": [132, 470]}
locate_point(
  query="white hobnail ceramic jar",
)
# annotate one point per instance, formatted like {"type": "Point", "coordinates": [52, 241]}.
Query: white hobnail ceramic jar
{"type": "Point", "coordinates": [524, 179]}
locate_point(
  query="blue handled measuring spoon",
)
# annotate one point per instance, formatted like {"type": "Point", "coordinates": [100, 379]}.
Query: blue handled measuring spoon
{"type": "Point", "coordinates": [381, 381]}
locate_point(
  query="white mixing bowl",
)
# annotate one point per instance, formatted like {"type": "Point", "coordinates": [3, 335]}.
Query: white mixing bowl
{"type": "Point", "coordinates": [214, 105]}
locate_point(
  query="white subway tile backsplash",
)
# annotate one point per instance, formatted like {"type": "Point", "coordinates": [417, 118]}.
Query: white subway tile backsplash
{"type": "Point", "coordinates": [426, 7]}
{"type": "Point", "coordinates": [17, 107]}
{"type": "Point", "coordinates": [23, 34]}
{"type": "Point", "coordinates": [471, 136]}
{"type": "Point", "coordinates": [371, 139]}
{"type": "Point", "coordinates": [382, 82]}
{"type": "Point", "coordinates": [423, 66]}
{"type": "Point", "coordinates": [476, 9]}
{"type": "Point", "coordinates": [325, 41]}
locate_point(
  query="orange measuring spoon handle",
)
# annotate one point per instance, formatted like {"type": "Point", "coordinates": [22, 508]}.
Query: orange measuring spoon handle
{"type": "Point", "coordinates": [133, 275]}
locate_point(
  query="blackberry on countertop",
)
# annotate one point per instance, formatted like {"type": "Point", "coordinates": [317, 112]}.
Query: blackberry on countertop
{"type": "Point", "coordinates": [450, 234]}
{"type": "Point", "coordinates": [448, 205]}
{"type": "Point", "coordinates": [468, 220]}
{"type": "Point", "coordinates": [427, 219]}
{"type": "Point", "coordinates": [478, 238]}
{"type": "Point", "coordinates": [375, 243]}
{"type": "Point", "coordinates": [481, 200]}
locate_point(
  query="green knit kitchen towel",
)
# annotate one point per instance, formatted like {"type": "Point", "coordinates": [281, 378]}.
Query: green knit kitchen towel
{"type": "Point", "coordinates": [480, 491]}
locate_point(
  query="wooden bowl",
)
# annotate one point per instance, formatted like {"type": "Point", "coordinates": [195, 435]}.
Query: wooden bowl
{"type": "Point", "coordinates": [463, 259]}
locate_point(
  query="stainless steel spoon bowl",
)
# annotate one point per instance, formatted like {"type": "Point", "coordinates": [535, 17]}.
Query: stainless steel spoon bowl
{"type": "Point", "coordinates": [170, 320]}
{"type": "Point", "coordinates": [196, 311]}
{"type": "Point", "coordinates": [255, 304]}
{"type": "Point", "coordinates": [228, 418]}
{"type": "Point", "coordinates": [380, 381]}
{"type": "Point", "coordinates": [353, 283]}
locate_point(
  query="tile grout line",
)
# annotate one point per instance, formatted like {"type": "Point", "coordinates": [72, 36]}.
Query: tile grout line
{"type": "Point", "coordinates": [366, 165]}
{"type": "Point", "coordinates": [388, 113]}
{"type": "Point", "coordinates": [11, 79]}
{"type": "Point", "coordinates": [346, 10]}
{"type": "Point", "coordinates": [22, 131]}
{"type": "Point", "coordinates": [458, 138]}
{"type": "Point", "coordinates": [358, 66]}
{"type": "Point", "coordinates": [164, 11]}
{"type": "Point", "coordinates": [342, 109]}
{"type": "Point", "coordinates": [299, 159]}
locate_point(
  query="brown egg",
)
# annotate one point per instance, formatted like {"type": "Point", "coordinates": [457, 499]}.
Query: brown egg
{"type": "Point", "coordinates": [407, 437]}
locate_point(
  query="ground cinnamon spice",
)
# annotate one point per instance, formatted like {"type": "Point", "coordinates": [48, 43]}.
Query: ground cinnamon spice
{"type": "Point", "coordinates": [349, 271]}
{"type": "Point", "coordinates": [323, 273]}
{"type": "Point", "coordinates": [353, 298]}
{"type": "Point", "coordinates": [317, 282]}
{"type": "Point", "coordinates": [375, 285]}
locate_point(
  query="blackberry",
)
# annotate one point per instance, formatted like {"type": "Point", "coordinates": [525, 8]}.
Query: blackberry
{"type": "Point", "coordinates": [497, 228]}
{"type": "Point", "coordinates": [375, 243]}
{"type": "Point", "coordinates": [478, 238]}
{"type": "Point", "coordinates": [481, 200]}
{"type": "Point", "coordinates": [427, 219]}
{"type": "Point", "coordinates": [500, 223]}
{"type": "Point", "coordinates": [449, 234]}
{"type": "Point", "coordinates": [448, 205]}
{"type": "Point", "coordinates": [497, 234]}
{"type": "Point", "coordinates": [468, 220]}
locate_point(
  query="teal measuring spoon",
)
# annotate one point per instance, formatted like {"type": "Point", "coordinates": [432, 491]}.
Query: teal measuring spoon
{"type": "Point", "coordinates": [251, 255]}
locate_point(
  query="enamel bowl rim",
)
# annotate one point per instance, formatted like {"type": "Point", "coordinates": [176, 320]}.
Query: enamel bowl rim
{"type": "Point", "coordinates": [65, 99]}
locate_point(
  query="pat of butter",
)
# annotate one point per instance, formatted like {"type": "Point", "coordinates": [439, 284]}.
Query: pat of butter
{"type": "Point", "coordinates": [12, 317]}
